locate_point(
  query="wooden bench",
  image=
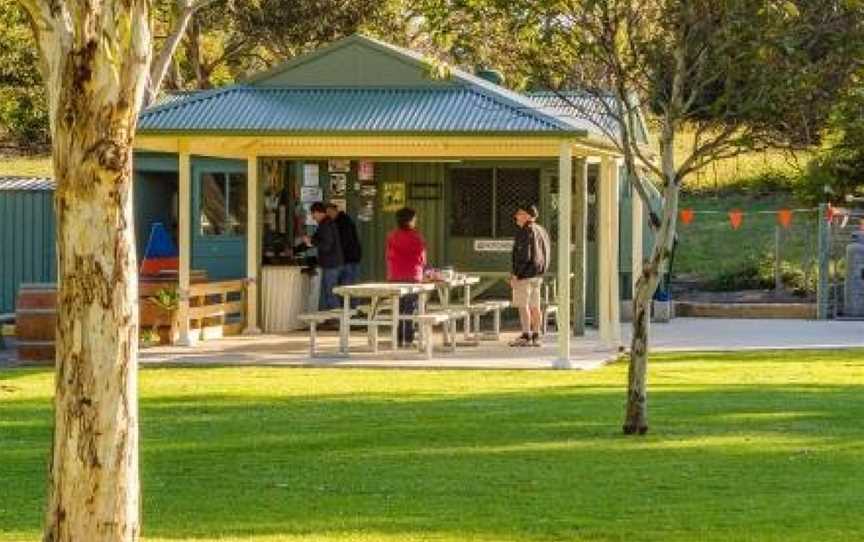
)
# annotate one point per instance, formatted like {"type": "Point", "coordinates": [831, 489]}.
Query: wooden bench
{"type": "Point", "coordinates": [495, 307]}
{"type": "Point", "coordinates": [314, 319]}
{"type": "Point", "coordinates": [549, 305]}
{"type": "Point", "coordinates": [5, 318]}
{"type": "Point", "coordinates": [427, 323]}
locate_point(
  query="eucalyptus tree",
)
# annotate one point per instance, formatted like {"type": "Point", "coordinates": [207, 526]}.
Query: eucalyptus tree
{"type": "Point", "coordinates": [94, 57]}
{"type": "Point", "coordinates": [739, 75]}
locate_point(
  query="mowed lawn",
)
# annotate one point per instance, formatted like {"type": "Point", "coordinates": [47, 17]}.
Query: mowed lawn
{"type": "Point", "coordinates": [756, 446]}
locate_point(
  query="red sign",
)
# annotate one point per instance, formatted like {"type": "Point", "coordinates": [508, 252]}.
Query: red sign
{"type": "Point", "coordinates": [736, 216]}
{"type": "Point", "coordinates": [784, 217]}
{"type": "Point", "coordinates": [687, 215]}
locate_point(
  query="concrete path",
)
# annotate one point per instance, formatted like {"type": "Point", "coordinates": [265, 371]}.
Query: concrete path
{"type": "Point", "coordinates": [293, 350]}
{"type": "Point", "coordinates": [682, 334]}
{"type": "Point", "coordinates": [727, 334]}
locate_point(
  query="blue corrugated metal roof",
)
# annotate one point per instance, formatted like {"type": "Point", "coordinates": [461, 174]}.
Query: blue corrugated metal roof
{"type": "Point", "coordinates": [26, 183]}
{"type": "Point", "coordinates": [586, 109]}
{"type": "Point", "coordinates": [242, 108]}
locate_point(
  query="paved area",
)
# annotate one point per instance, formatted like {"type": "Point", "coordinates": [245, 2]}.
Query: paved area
{"type": "Point", "coordinates": [293, 350]}
{"type": "Point", "coordinates": [684, 334]}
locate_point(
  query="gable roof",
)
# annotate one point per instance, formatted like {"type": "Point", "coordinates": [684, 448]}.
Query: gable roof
{"type": "Point", "coordinates": [279, 101]}
{"type": "Point", "coordinates": [245, 109]}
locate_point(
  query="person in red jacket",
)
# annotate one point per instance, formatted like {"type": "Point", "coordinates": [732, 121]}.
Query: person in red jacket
{"type": "Point", "coordinates": [406, 258]}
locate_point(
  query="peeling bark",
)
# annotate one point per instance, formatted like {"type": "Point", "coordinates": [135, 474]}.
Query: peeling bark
{"type": "Point", "coordinates": [95, 87]}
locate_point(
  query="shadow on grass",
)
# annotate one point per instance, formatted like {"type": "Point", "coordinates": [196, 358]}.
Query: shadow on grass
{"type": "Point", "coordinates": [544, 464]}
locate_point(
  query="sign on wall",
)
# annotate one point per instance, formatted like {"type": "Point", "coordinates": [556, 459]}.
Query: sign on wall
{"type": "Point", "coordinates": [365, 170]}
{"type": "Point", "coordinates": [310, 175]}
{"type": "Point", "coordinates": [493, 245]}
{"type": "Point", "coordinates": [339, 166]}
{"type": "Point", "coordinates": [393, 196]}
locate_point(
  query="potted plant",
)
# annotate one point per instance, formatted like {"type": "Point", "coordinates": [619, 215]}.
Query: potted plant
{"type": "Point", "coordinates": [159, 311]}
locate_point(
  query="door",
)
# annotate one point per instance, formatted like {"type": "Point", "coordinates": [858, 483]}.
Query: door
{"type": "Point", "coordinates": [219, 217]}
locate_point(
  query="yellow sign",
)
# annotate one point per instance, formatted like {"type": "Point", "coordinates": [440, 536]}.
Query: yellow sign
{"type": "Point", "coordinates": [393, 196]}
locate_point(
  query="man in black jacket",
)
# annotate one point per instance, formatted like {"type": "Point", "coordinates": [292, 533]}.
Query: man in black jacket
{"type": "Point", "coordinates": [351, 248]}
{"type": "Point", "coordinates": [330, 257]}
{"type": "Point", "coordinates": [531, 253]}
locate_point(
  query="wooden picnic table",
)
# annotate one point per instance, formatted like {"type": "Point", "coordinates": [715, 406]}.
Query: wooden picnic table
{"type": "Point", "coordinates": [380, 292]}
{"type": "Point", "coordinates": [376, 292]}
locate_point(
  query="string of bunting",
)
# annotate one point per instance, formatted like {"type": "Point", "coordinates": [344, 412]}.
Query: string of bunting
{"type": "Point", "coordinates": [736, 216]}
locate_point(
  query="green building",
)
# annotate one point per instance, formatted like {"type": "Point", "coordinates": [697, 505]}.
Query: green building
{"type": "Point", "coordinates": [367, 125]}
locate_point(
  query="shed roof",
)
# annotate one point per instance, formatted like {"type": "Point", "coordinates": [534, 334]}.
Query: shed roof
{"type": "Point", "coordinates": [582, 106]}
{"type": "Point", "coordinates": [241, 108]}
{"type": "Point", "coordinates": [9, 183]}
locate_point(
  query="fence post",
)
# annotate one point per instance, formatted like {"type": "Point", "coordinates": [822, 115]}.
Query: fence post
{"type": "Point", "coordinates": [824, 246]}
{"type": "Point", "coordinates": [778, 275]}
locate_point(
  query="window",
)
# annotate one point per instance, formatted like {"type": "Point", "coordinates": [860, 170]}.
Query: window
{"type": "Point", "coordinates": [484, 199]}
{"type": "Point", "coordinates": [223, 204]}
{"type": "Point", "coordinates": [472, 202]}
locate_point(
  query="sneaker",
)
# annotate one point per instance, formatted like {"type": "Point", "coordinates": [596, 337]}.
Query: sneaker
{"type": "Point", "coordinates": [535, 339]}
{"type": "Point", "coordinates": [522, 340]}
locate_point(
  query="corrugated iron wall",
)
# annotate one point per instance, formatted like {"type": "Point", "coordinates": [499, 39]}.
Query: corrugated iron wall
{"type": "Point", "coordinates": [26, 241]}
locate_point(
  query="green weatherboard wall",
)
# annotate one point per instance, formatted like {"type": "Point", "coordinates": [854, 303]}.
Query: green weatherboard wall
{"type": "Point", "coordinates": [26, 241]}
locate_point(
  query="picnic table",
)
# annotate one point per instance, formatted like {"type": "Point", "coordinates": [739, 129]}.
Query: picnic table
{"type": "Point", "coordinates": [384, 294]}
{"type": "Point", "coordinates": [377, 292]}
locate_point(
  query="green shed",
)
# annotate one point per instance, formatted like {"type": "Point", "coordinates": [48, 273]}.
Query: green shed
{"type": "Point", "coordinates": [374, 127]}
{"type": "Point", "coordinates": [26, 235]}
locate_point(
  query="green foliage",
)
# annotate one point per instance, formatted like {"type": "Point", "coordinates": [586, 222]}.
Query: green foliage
{"type": "Point", "coordinates": [166, 298]}
{"type": "Point", "coordinates": [758, 274]}
{"type": "Point", "coordinates": [23, 109]}
{"type": "Point", "coordinates": [762, 446]}
{"type": "Point", "coordinates": [838, 170]}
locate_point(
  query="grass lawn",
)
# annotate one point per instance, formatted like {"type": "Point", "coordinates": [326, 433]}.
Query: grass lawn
{"type": "Point", "coordinates": [28, 166]}
{"type": "Point", "coordinates": [755, 446]}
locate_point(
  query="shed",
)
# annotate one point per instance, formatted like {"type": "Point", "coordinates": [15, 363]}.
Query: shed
{"type": "Point", "coordinates": [374, 127]}
{"type": "Point", "coordinates": [27, 251]}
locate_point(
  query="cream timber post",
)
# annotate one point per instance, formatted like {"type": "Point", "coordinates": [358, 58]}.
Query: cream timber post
{"type": "Point", "coordinates": [184, 234]}
{"type": "Point", "coordinates": [253, 238]}
{"type": "Point", "coordinates": [565, 216]}
{"type": "Point", "coordinates": [638, 222]}
{"type": "Point", "coordinates": [580, 229]}
{"type": "Point", "coordinates": [608, 274]}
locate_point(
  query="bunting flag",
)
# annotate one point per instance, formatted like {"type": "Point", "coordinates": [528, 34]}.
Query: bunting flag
{"type": "Point", "coordinates": [736, 216]}
{"type": "Point", "coordinates": [687, 215]}
{"type": "Point", "coordinates": [784, 218]}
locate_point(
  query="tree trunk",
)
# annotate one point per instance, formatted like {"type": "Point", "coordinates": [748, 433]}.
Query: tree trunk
{"type": "Point", "coordinates": [95, 86]}
{"type": "Point", "coordinates": [185, 9]}
{"type": "Point", "coordinates": [636, 414]}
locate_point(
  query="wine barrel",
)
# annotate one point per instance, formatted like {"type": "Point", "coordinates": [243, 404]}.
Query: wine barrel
{"type": "Point", "coordinates": [36, 321]}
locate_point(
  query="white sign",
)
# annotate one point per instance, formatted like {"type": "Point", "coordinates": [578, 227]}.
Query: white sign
{"type": "Point", "coordinates": [311, 194]}
{"type": "Point", "coordinates": [310, 175]}
{"type": "Point", "coordinates": [493, 245]}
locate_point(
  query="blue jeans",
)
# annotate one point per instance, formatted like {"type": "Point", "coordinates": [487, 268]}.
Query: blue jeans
{"type": "Point", "coordinates": [329, 279]}
{"type": "Point", "coordinates": [407, 306]}
{"type": "Point", "coordinates": [350, 274]}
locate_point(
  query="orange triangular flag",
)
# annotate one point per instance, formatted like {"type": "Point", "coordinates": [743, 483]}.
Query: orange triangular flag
{"type": "Point", "coordinates": [687, 215]}
{"type": "Point", "coordinates": [736, 216]}
{"type": "Point", "coordinates": [784, 217]}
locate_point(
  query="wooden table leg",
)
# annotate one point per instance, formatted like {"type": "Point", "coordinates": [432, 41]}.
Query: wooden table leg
{"type": "Point", "coordinates": [344, 325]}
{"type": "Point", "coordinates": [394, 332]}
{"type": "Point", "coordinates": [426, 332]}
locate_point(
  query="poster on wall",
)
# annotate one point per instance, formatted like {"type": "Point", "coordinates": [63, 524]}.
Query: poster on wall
{"type": "Point", "coordinates": [393, 196]}
{"type": "Point", "coordinates": [310, 175]}
{"type": "Point", "coordinates": [368, 191]}
{"type": "Point", "coordinates": [365, 170]}
{"type": "Point", "coordinates": [339, 166]}
{"type": "Point", "coordinates": [338, 185]}
{"type": "Point", "coordinates": [341, 204]}
{"type": "Point", "coordinates": [366, 212]}
{"type": "Point", "coordinates": [311, 194]}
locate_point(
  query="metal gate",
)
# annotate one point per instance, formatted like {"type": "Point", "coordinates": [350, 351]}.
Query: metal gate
{"type": "Point", "coordinates": [838, 228]}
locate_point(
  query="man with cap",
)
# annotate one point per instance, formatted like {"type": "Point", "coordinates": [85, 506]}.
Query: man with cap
{"type": "Point", "coordinates": [530, 260]}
